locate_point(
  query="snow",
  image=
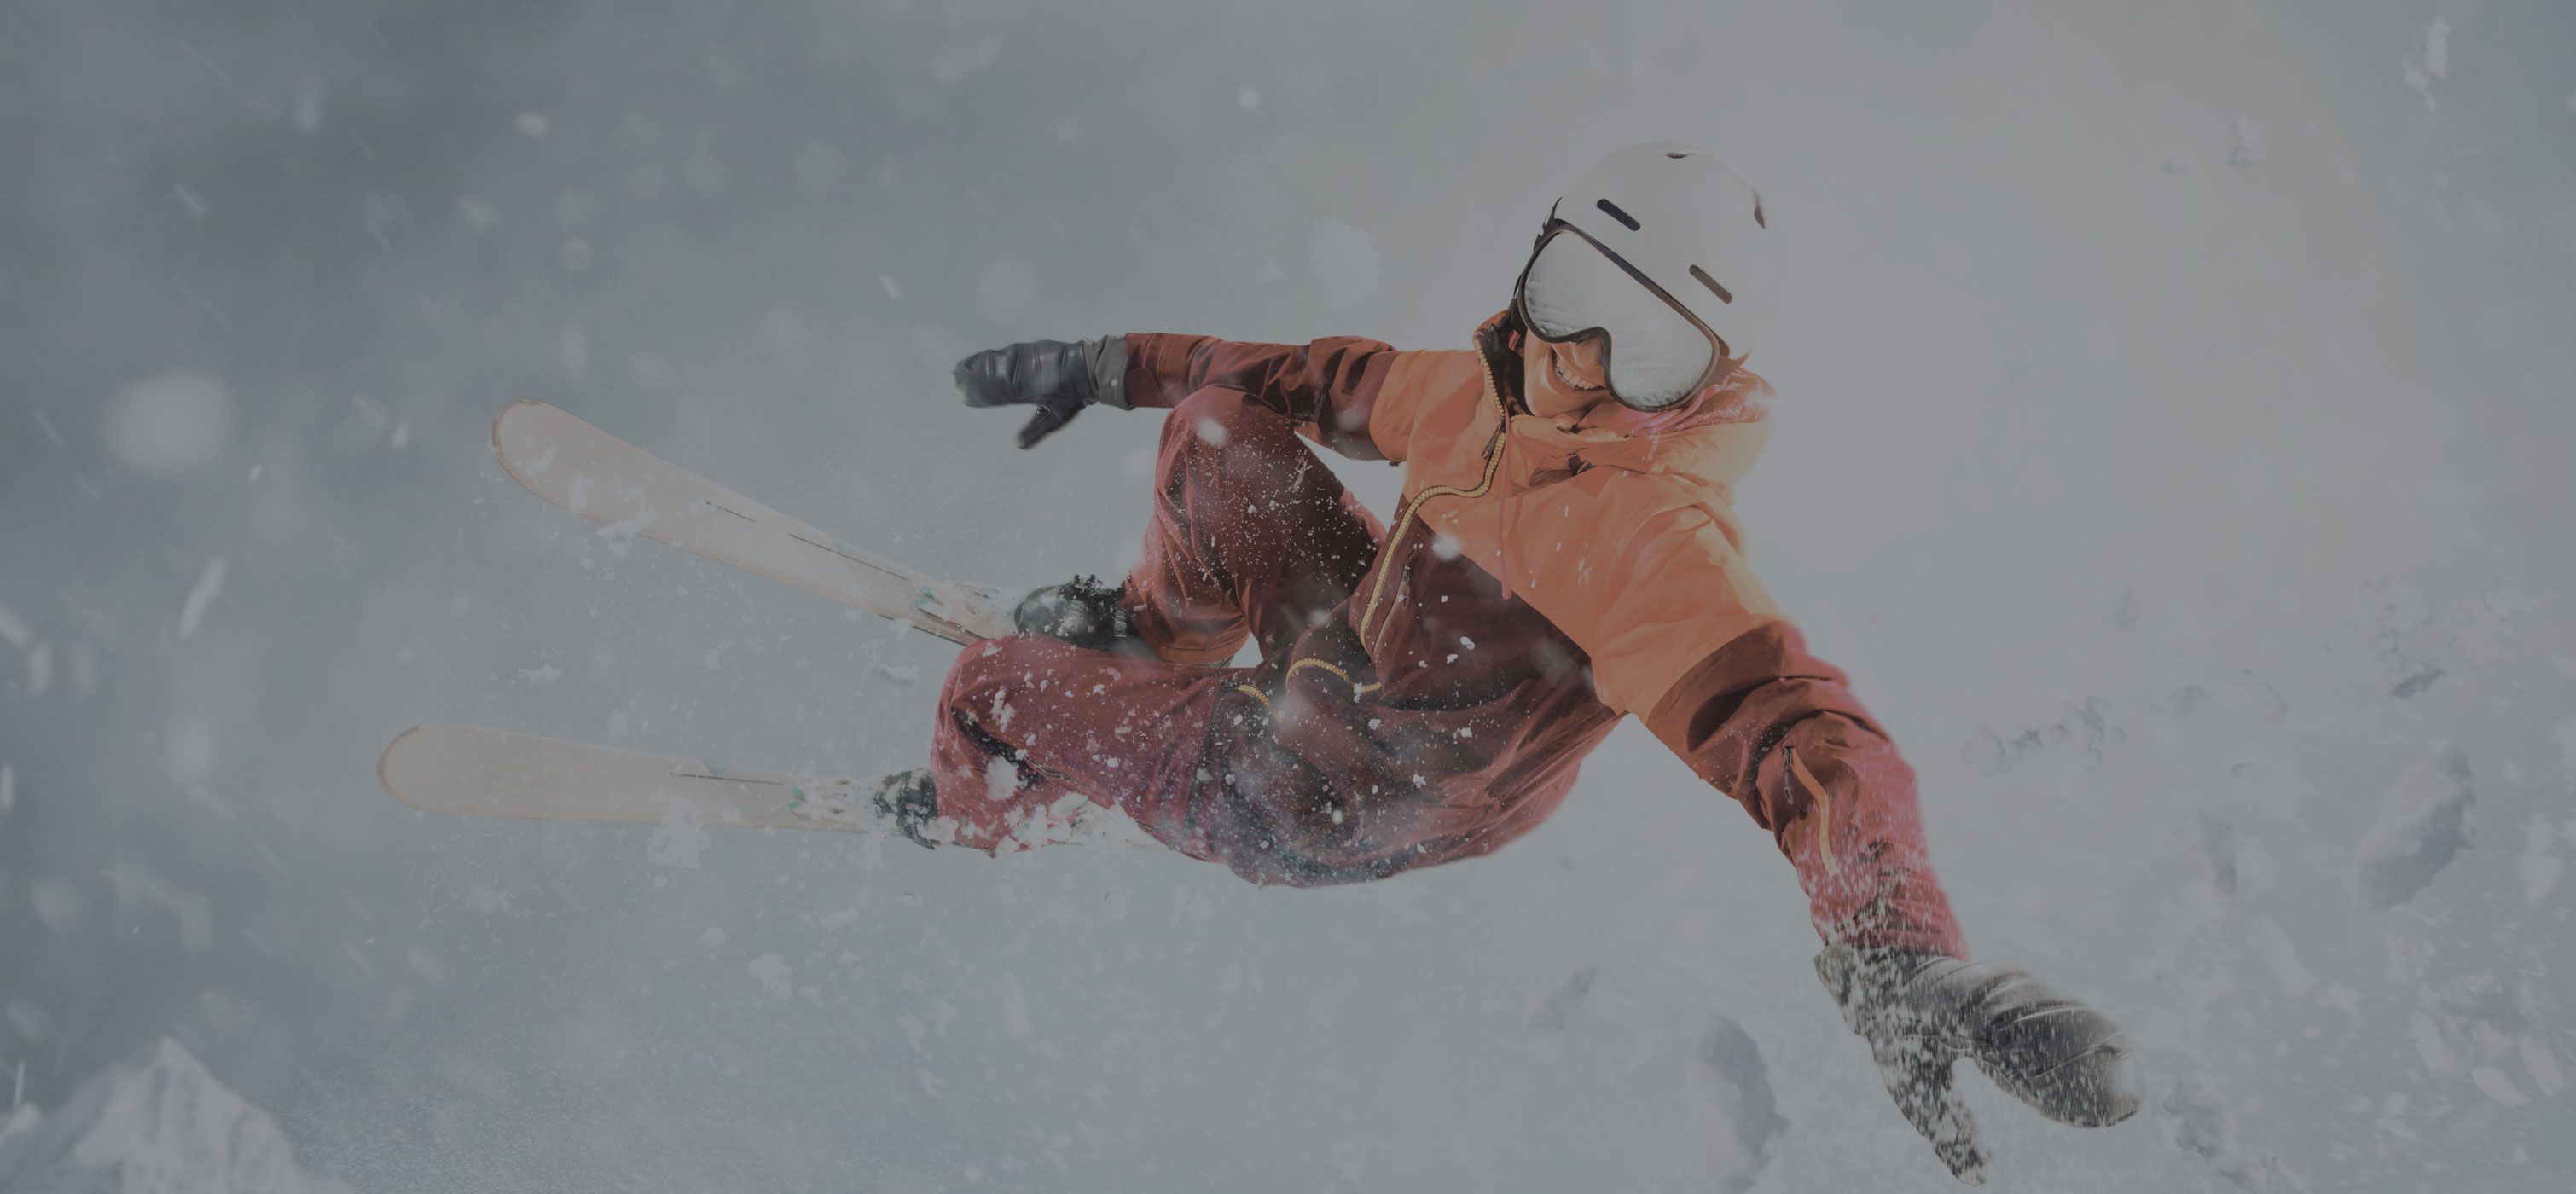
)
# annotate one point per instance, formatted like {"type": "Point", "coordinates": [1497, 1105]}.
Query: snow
{"type": "Point", "coordinates": [1014, 1007]}
{"type": "Point", "coordinates": [1344, 262]}
{"type": "Point", "coordinates": [40, 669]}
{"type": "Point", "coordinates": [138, 888]}
{"type": "Point", "coordinates": [192, 747]}
{"type": "Point", "coordinates": [2539, 866]}
{"type": "Point", "coordinates": [770, 971]}
{"type": "Point", "coordinates": [2249, 143]}
{"type": "Point", "coordinates": [59, 904]}
{"type": "Point", "coordinates": [210, 585]}
{"type": "Point", "coordinates": [1551, 1013]}
{"type": "Point", "coordinates": [2424, 822]}
{"type": "Point", "coordinates": [1734, 1118]}
{"type": "Point", "coordinates": [1006, 288]}
{"type": "Point", "coordinates": [680, 837]}
{"type": "Point", "coordinates": [2497, 1086]}
{"type": "Point", "coordinates": [2216, 494]}
{"type": "Point", "coordinates": [837, 801]}
{"type": "Point", "coordinates": [2436, 62]}
{"type": "Point", "coordinates": [30, 1020]}
{"type": "Point", "coordinates": [953, 63]}
{"type": "Point", "coordinates": [2193, 1120]}
{"type": "Point", "coordinates": [155, 1124]}
{"type": "Point", "coordinates": [2476, 1023]}
{"type": "Point", "coordinates": [170, 424]}
{"type": "Point", "coordinates": [2280, 956]}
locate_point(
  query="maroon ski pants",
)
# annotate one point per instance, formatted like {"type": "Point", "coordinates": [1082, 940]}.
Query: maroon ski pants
{"type": "Point", "coordinates": [1251, 537]}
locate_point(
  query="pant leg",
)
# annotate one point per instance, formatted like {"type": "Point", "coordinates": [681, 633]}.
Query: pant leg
{"type": "Point", "coordinates": [1251, 537]}
{"type": "Point", "coordinates": [1251, 534]}
{"type": "Point", "coordinates": [1031, 729]}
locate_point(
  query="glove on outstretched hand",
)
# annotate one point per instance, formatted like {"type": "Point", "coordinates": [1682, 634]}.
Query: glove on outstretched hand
{"type": "Point", "coordinates": [1922, 1012]}
{"type": "Point", "coordinates": [1056, 377]}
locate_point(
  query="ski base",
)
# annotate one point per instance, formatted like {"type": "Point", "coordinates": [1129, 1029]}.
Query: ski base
{"type": "Point", "coordinates": [474, 771]}
{"type": "Point", "coordinates": [477, 772]}
{"type": "Point", "coordinates": [589, 472]}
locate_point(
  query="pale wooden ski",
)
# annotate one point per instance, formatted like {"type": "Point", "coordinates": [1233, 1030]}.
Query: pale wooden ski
{"type": "Point", "coordinates": [477, 772]}
{"type": "Point", "coordinates": [594, 474]}
{"type": "Point", "coordinates": [473, 771]}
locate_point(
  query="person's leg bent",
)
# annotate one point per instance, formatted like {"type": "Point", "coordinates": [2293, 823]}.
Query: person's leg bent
{"type": "Point", "coordinates": [1252, 535]}
{"type": "Point", "coordinates": [1030, 729]}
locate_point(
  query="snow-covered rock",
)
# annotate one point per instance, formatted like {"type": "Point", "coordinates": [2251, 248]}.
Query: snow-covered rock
{"type": "Point", "coordinates": [2424, 823]}
{"type": "Point", "coordinates": [1733, 1116]}
{"type": "Point", "coordinates": [156, 1124]}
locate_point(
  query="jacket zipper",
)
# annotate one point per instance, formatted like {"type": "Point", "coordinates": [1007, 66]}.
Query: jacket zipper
{"type": "Point", "coordinates": [1493, 459]}
{"type": "Point", "coordinates": [1824, 808]}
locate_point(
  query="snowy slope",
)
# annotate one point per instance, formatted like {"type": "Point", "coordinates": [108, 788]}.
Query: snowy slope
{"type": "Point", "coordinates": [157, 1124]}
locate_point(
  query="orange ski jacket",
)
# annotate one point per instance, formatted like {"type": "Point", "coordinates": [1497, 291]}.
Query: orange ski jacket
{"type": "Point", "coordinates": [1628, 543]}
{"type": "Point", "coordinates": [1619, 530]}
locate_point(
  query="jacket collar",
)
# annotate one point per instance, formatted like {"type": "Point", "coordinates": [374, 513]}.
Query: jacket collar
{"type": "Point", "coordinates": [1707, 448]}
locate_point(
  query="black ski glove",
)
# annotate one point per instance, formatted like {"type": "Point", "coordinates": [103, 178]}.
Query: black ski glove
{"type": "Point", "coordinates": [1922, 1012]}
{"type": "Point", "coordinates": [1056, 377]}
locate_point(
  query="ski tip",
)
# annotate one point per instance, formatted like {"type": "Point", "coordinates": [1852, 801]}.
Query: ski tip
{"type": "Point", "coordinates": [382, 760]}
{"type": "Point", "coordinates": [501, 418]}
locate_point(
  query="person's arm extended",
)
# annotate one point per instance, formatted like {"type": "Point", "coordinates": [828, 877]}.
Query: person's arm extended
{"type": "Point", "coordinates": [1331, 384]}
{"type": "Point", "coordinates": [1779, 730]}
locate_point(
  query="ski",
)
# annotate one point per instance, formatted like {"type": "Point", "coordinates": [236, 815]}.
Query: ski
{"type": "Point", "coordinates": [479, 772]}
{"type": "Point", "coordinates": [596, 475]}
{"type": "Point", "coordinates": [475, 771]}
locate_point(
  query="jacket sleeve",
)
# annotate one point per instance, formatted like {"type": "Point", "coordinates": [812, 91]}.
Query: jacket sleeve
{"type": "Point", "coordinates": [1328, 387]}
{"type": "Point", "coordinates": [1778, 730]}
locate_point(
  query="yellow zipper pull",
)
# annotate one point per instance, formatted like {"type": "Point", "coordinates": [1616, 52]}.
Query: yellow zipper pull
{"type": "Point", "coordinates": [1824, 808]}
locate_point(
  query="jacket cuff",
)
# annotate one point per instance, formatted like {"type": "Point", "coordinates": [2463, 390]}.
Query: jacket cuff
{"type": "Point", "coordinates": [1698, 704]}
{"type": "Point", "coordinates": [1107, 358]}
{"type": "Point", "coordinates": [1148, 359]}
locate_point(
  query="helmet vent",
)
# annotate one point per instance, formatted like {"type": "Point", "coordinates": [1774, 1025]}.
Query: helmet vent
{"type": "Point", "coordinates": [1616, 214]}
{"type": "Point", "coordinates": [1674, 154]}
{"type": "Point", "coordinates": [1711, 283]}
{"type": "Point", "coordinates": [1757, 213]}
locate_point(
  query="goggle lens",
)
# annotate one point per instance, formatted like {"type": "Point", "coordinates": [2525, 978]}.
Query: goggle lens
{"type": "Point", "coordinates": [1572, 290]}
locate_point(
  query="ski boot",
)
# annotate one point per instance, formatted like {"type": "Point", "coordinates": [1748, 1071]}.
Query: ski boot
{"type": "Point", "coordinates": [1084, 613]}
{"type": "Point", "coordinates": [904, 802]}
{"type": "Point", "coordinates": [908, 803]}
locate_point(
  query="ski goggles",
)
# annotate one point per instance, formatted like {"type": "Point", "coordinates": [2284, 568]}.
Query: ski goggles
{"type": "Point", "coordinates": [1655, 353]}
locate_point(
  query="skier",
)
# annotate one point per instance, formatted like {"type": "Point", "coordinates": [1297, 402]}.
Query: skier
{"type": "Point", "coordinates": [1565, 553]}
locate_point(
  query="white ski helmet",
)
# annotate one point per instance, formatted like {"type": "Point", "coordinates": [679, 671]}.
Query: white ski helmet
{"type": "Point", "coordinates": [1662, 252]}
